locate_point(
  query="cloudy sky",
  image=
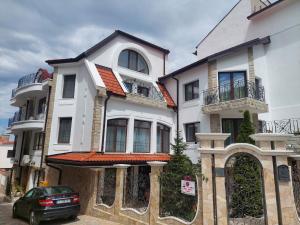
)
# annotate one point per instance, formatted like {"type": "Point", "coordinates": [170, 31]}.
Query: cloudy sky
{"type": "Point", "coordinates": [32, 31]}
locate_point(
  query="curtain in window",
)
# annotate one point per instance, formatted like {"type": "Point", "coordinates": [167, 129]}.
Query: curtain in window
{"type": "Point", "coordinates": [64, 130]}
{"type": "Point", "coordinates": [163, 138]}
{"type": "Point", "coordinates": [141, 136]}
{"type": "Point", "coordinates": [116, 135]}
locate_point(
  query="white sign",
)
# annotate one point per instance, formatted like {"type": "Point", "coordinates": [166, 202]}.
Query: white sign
{"type": "Point", "coordinates": [188, 187]}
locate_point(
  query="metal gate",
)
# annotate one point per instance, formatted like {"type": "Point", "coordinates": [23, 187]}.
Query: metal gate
{"type": "Point", "coordinates": [244, 190]}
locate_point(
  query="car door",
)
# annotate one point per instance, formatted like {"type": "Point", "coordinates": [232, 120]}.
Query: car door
{"type": "Point", "coordinates": [22, 203]}
{"type": "Point", "coordinates": [28, 202]}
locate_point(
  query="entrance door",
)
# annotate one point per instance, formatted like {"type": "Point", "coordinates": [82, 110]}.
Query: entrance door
{"type": "Point", "coordinates": [231, 126]}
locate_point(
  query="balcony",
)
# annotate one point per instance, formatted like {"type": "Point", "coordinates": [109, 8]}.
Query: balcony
{"type": "Point", "coordinates": [28, 86]}
{"type": "Point", "coordinates": [285, 126]}
{"type": "Point", "coordinates": [21, 123]}
{"type": "Point", "coordinates": [236, 96]}
{"type": "Point", "coordinates": [143, 93]}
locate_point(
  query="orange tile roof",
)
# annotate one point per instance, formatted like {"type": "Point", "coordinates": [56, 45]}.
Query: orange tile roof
{"type": "Point", "coordinates": [166, 95]}
{"type": "Point", "coordinates": [110, 80]}
{"type": "Point", "coordinates": [97, 158]}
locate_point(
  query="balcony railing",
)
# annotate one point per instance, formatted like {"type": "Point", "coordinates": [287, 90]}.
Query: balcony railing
{"type": "Point", "coordinates": [286, 126]}
{"type": "Point", "coordinates": [133, 86]}
{"type": "Point", "coordinates": [19, 117]}
{"type": "Point", "coordinates": [29, 79]}
{"type": "Point", "coordinates": [233, 91]}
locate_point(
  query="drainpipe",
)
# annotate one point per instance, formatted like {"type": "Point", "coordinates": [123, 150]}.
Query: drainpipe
{"type": "Point", "coordinates": [177, 111]}
{"type": "Point", "coordinates": [104, 120]}
{"type": "Point", "coordinates": [44, 135]}
{"type": "Point", "coordinates": [59, 172]}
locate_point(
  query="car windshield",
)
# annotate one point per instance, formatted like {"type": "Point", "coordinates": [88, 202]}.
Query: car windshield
{"type": "Point", "coordinates": [58, 190]}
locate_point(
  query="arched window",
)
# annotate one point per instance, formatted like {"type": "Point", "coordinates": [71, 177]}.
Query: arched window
{"type": "Point", "coordinates": [133, 61]}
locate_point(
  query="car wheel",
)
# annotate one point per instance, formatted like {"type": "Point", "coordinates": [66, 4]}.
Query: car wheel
{"type": "Point", "coordinates": [33, 220]}
{"type": "Point", "coordinates": [14, 212]}
{"type": "Point", "coordinates": [73, 217]}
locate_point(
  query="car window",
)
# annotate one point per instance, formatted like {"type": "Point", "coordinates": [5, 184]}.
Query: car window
{"type": "Point", "coordinates": [37, 193]}
{"type": "Point", "coordinates": [29, 194]}
{"type": "Point", "coordinates": [58, 190]}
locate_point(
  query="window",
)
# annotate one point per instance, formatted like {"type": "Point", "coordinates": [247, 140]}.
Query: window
{"type": "Point", "coordinates": [128, 86]}
{"type": "Point", "coordinates": [64, 133]}
{"type": "Point", "coordinates": [69, 86]}
{"type": "Point", "coordinates": [143, 91]}
{"type": "Point", "coordinates": [38, 141]}
{"type": "Point", "coordinates": [231, 126]}
{"type": "Point", "coordinates": [42, 105]}
{"type": "Point", "coordinates": [232, 85]}
{"type": "Point", "coordinates": [191, 90]}
{"type": "Point", "coordinates": [133, 60]}
{"type": "Point", "coordinates": [142, 130]}
{"type": "Point", "coordinates": [116, 135]}
{"type": "Point", "coordinates": [163, 138]}
{"type": "Point", "coordinates": [190, 130]}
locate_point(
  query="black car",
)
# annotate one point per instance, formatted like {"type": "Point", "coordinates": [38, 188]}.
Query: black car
{"type": "Point", "coordinates": [47, 203]}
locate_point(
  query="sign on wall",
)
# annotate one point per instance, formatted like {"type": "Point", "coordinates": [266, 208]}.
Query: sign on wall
{"type": "Point", "coordinates": [188, 187]}
{"type": "Point", "coordinates": [283, 173]}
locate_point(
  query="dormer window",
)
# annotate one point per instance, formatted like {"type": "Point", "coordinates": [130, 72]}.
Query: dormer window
{"type": "Point", "coordinates": [134, 61]}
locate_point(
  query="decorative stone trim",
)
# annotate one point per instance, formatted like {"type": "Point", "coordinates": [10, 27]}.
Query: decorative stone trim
{"type": "Point", "coordinates": [215, 123]}
{"type": "Point", "coordinates": [251, 65]}
{"type": "Point", "coordinates": [212, 74]}
{"type": "Point", "coordinates": [238, 104]}
{"type": "Point", "coordinates": [97, 123]}
{"type": "Point", "coordinates": [134, 98]}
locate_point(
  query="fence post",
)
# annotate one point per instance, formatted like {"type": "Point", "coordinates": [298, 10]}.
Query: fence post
{"type": "Point", "coordinates": [120, 176]}
{"type": "Point", "coordinates": [156, 169]}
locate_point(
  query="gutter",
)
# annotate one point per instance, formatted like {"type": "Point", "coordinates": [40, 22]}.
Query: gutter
{"type": "Point", "coordinates": [104, 120]}
{"type": "Point", "coordinates": [59, 172]}
{"type": "Point", "coordinates": [44, 136]}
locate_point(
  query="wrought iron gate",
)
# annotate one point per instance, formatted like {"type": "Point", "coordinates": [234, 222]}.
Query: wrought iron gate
{"type": "Point", "coordinates": [244, 190]}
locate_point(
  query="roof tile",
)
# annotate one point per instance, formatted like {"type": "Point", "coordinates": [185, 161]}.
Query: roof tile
{"type": "Point", "coordinates": [166, 95]}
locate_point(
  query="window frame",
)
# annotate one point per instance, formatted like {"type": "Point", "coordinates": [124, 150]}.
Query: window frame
{"type": "Point", "coordinates": [39, 144]}
{"type": "Point", "coordinates": [126, 130]}
{"type": "Point", "coordinates": [140, 91]}
{"type": "Point", "coordinates": [168, 129]}
{"type": "Point", "coordinates": [63, 86]}
{"type": "Point", "coordinates": [42, 105]}
{"type": "Point", "coordinates": [129, 65]}
{"type": "Point", "coordinates": [193, 140]}
{"type": "Point", "coordinates": [134, 126]}
{"type": "Point", "coordinates": [59, 130]}
{"type": "Point", "coordinates": [195, 95]}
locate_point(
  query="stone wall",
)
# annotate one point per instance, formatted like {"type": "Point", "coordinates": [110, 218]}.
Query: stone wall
{"type": "Point", "coordinates": [215, 123]}
{"type": "Point", "coordinates": [212, 74]}
{"type": "Point", "coordinates": [97, 123]}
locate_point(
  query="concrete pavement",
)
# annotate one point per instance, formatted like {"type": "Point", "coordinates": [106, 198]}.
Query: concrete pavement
{"type": "Point", "coordinates": [6, 219]}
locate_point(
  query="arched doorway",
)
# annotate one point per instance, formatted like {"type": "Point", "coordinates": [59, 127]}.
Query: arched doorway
{"type": "Point", "coordinates": [245, 190]}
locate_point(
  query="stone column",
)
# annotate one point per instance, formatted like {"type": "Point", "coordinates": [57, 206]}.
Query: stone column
{"type": "Point", "coordinates": [221, 192]}
{"type": "Point", "coordinates": [251, 65]}
{"type": "Point", "coordinates": [97, 123]}
{"type": "Point", "coordinates": [207, 190]}
{"type": "Point", "coordinates": [215, 124]}
{"type": "Point", "coordinates": [156, 169]}
{"type": "Point", "coordinates": [255, 122]}
{"type": "Point", "coordinates": [287, 201]}
{"type": "Point", "coordinates": [270, 192]}
{"type": "Point", "coordinates": [120, 177]}
{"type": "Point", "coordinates": [212, 74]}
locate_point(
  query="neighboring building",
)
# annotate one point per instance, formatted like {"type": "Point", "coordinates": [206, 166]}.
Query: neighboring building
{"type": "Point", "coordinates": [6, 152]}
{"type": "Point", "coordinates": [27, 125]}
{"type": "Point", "coordinates": [250, 60]}
{"type": "Point", "coordinates": [6, 161]}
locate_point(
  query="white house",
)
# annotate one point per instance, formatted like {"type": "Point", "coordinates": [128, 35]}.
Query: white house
{"type": "Point", "coordinates": [250, 60]}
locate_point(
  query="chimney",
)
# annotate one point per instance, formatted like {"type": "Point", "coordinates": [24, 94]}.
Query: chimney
{"type": "Point", "coordinates": [257, 5]}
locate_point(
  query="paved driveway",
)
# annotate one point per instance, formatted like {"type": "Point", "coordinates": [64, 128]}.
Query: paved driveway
{"type": "Point", "coordinates": [6, 219]}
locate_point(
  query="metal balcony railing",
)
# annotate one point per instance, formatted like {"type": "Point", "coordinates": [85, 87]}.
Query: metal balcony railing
{"type": "Point", "coordinates": [19, 117]}
{"type": "Point", "coordinates": [15, 118]}
{"type": "Point", "coordinates": [233, 91]}
{"type": "Point", "coordinates": [149, 91]}
{"type": "Point", "coordinates": [29, 79]}
{"type": "Point", "coordinates": [286, 126]}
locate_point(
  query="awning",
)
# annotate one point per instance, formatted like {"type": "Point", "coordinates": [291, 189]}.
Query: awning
{"type": "Point", "coordinates": [88, 159]}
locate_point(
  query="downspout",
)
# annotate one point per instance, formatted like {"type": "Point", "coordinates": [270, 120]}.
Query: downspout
{"type": "Point", "coordinates": [44, 135]}
{"type": "Point", "coordinates": [59, 172]}
{"type": "Point", "coordinates": [164, 64]}
{"type": "Point", "coordinates": [177, 110]}
{"type": "Point", "coordinates": [104, 120]}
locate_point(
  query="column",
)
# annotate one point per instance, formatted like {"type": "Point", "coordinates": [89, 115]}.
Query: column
{"type": "Point", "coordinates": [130, 135]}
{"type": "Point", "coordinates": [120, 177]}
{"type": "Point", "coordinates": [156, 169]}
{"type": "Point", "coordinates": [153, 137]}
